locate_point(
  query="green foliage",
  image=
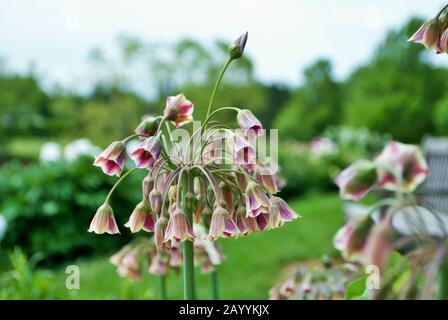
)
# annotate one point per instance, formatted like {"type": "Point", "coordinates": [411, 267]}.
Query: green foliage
{"type": "Point", "coordinates": [23, 282]}
{"type": "Point", "coordinates": [396, 93]}
{"type": "Point", "coordinates": [314, 106]}
{"type": "Point", "coordinates": [441, 116]}
{"type": "Point", "coordinates": [49, 207]}
{"type": "Point", "coordinates": [356, 289]}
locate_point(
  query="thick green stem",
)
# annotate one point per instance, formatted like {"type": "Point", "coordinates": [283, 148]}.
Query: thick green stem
{"type": "Point", "coordinates": [189, 290]}
{"type": "Point", "coordinates": [163, 287]}
{"type": "Point", "coordinates": [215, 287]}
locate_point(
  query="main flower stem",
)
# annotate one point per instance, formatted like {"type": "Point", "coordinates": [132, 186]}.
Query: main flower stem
{"type": "Point", "coordinates": [215, 89]}
{"type": "Point", "coordinates": [163, 287]}
{"type": "Point", "coordinates": [215, 287]}
{"type": "Point", "coordinates": [189, 290]}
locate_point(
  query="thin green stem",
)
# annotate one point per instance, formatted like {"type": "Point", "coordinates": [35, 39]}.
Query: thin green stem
{"type": "Point", "coordinates": [215, 287]}
{"type": "Point", "coordinates": [163, 287]}
{"type": "Point", "coordinates": [215, 89]}
{"type": "Point", "coordinates": [117, 184]}
{"type": "Point", "coordinates": [189, 286]}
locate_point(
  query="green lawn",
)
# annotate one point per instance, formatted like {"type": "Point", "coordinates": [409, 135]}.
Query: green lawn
{"type": "Point", "coordinates": [253, 263]}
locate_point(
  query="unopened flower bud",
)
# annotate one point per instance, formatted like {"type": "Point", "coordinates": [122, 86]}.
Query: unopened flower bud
{"type": "Point", "coordinates": [236, 49]}
{"type": "Point", "coordinates": [159, 232]}
{"type": "Point", "coordinates": [148, 126]}
{"type": "Point", "coordinates": [147, 186]}
{"type": "Point", "coordinates": [155, 199]}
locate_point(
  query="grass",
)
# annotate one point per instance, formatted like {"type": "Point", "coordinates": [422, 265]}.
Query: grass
{"type": "Point", "coordinates": [254, 264]}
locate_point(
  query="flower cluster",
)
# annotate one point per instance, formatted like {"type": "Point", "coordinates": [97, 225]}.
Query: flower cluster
{"type": "Point", "coordinates": [399, 168]}
{"type": "Point", "coordinates": [142, 252]}
{"type": "Point", "coordinates": [214, 175]}
{"type": "Point", "coordinates": [433, 34]}
{"type": "Point", "coordinates": [323, 281]}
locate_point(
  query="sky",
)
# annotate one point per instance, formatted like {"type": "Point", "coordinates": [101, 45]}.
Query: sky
{"type": "Point", "coordinates": [285, 35]}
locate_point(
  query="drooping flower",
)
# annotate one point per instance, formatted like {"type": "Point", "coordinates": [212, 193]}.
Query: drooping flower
{"type": "Point", "coordinates": [141, 218]}
{"type": "Point", "coordinates": [443, 43]}
{"type": "Point", "coordinates": [266, 179]}
{"type": "Point", "coordinates": [147, 186]}
{"type": "Point", "coordinates": [221, 225]}
{"type": "Point", "coordinates": [379, 246]}
{"type": "Point", "coordinates": [147, 153]}
{"type": "Point", "coordinates": [178, 228]}
{"type": "Point", "coordinates": [263, 221]}
{"type": "Point", "coordinates": [104, 221]}
{"type": "Point", "coordinates": [428, 34]}
{"type": "Point", "coordinates": [178, 110]}
{"type": "Point", "coordinates": [159, 265]}
{"type": "Point", "coordinates": [155, 199]}
{"type": "Point", "coordinates": [148, 126]}
{"type": "Point", "coordinates": [236, 49]}
{"type": "Point", "coordinates": [351, 238]}
{"type": "Point", "coordinates": [402, 167]}
{"type": "Point", "coordinates": [357, 180]}
{"type": "Point", "coordinates": [249, 124]}
{"type": "Point", "coordinates": [244, 153]}
{"type": "Point", "coordinates": [257, 201]}
{"type": "Point", "coordinates": [129, 266]}
{"type": "Point", "coordinates": [285, 211]}
{"type": "Point", "coordinates": [159, 232]}
{"type": "Point", "coordinates": [111, 160]}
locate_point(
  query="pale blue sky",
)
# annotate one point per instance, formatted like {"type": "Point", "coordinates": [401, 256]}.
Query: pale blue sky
{"type": "Point", "coordinates": [285, 35]}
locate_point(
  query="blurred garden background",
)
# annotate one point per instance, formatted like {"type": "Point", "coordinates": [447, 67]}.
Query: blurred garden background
{"type": "Point", "coordinates": [50, 129]}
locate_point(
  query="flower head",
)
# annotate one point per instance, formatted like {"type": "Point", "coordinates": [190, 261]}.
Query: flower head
{"type": "Point", "coordinates": [147, 153]}
{"type": "Point", "coordinates": [159, 265]}
{"type": "Point", "coordinates": [357, 180]}
{"type": "Point", "coordinates": [401, 167]}
{"type": "Point", "coordinates": [148, 126]}
{"type": "Point", "coordinates": [141, 218]}
{"type": "Point", "coordinates": [248, 123]}
{"type": "Point", "coordinates": [178, 228]}
{"type": "Point", "coordinates": [104, 221]}
{"type": "Point", "coordinates": [179, 110]}
{"type": "Point", "coordinates": [236, 49]}
{"type": "Point", "coordinates": [221, 225]}
{"type": "Point", "coordinates": [257, 201]}
{"type": "Point", "coordinates": [428, 34]}
{"type": "Point", "coordinates": [111, 160]}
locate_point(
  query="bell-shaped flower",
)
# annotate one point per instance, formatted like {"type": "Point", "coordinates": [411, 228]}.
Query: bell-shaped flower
{"type": "Point", "coordinates": [222, 225]}
{"type": "Point", "coordinates": [111, 160]}
{"type": "Point", "coordinates": [379, 246]}
{"type": "Point", "coordinates": [402, 167]}
{"type": "Point", "coordinates": [351, 238]}
{"type": "Point", "coordinates": [104, 221]}
{"type": "Point", "coordinates": [249, 124]}
{"type": "Point", "coordinates": [147, 153]}
{"type": "Point", "coordinates": [443, 43]}
{"type": "Point", "coordinates": [257, 201]}
{"type": "Point", "coordinates": [244, 153]}
{"type": "Point", "coordinates": [141, 218]}
{"type": "Point", "coordinates": [178, 228]}
{"type": "Point", "coordinates": [148, 127]}
{"type": "Point", "coordinates": [428, 34]}
{"type": "Point", "coordinates": [284, 210]}
{"type": "Point", "coordinates": [357, 180]}
{"type": "Point", "coordinates": [263, 221]}
{"type": "Point", "coordinates": [129, 266]}
{"type": "Point", "coordinates": [159, 265]}
{"type": "Point", "coordinates": [178, 110]}
{"type": "Point", "coordinates": [159, 232]}
{"type": "Point", "coordinates": [264, 176]}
